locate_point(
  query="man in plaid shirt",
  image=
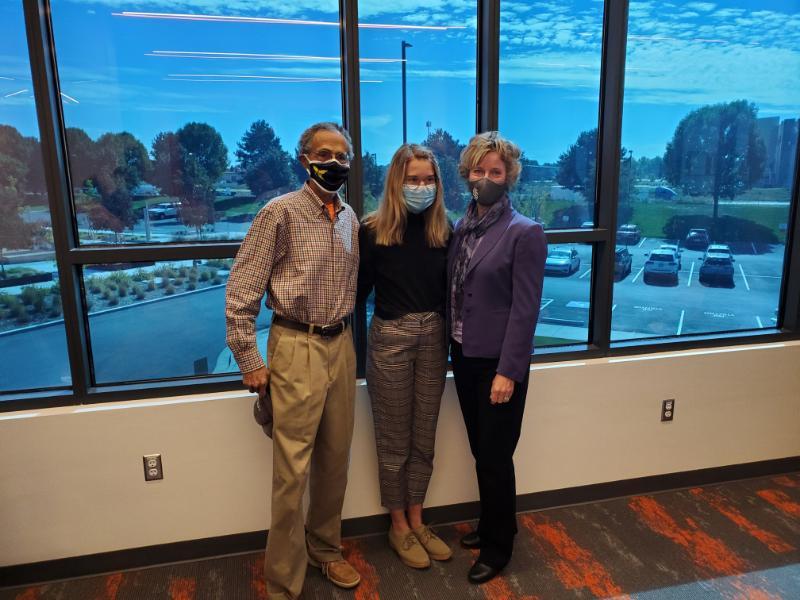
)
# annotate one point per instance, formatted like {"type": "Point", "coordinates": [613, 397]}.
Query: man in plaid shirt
{"type": "Point", "coordinates": [302, 251]}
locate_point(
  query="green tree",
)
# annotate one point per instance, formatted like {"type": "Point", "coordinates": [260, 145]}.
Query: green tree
{"type": "Point", "coordinates": [14, 171]}
{"type": "Point", "coordinates": [266, 165]}
{"type": "Point", "coordinates": [577, 166]}
{"type": "Point", "coordinates": [716, 150]}
{"type": "Point", "coordinates": [448, 152]}
{"type": "Point", "coordinates": [187, 164]}
{"type": "Point", "coordinates": [81, 153]}
{"type": "Point", "coordinates": [373, 175]}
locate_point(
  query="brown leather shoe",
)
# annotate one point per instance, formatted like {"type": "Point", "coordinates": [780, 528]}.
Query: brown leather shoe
{"type": "Point", "coordinates": [339, 572]}
{"type": "Point", "coordinates": [433, 544]}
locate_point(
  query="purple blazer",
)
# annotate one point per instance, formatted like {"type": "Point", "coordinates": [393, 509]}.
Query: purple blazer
{"type": "Point", "coordinates": [502, 292]}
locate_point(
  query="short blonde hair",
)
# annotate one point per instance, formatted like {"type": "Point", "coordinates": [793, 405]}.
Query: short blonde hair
{"type": "Point", "coordinates": [491, 141]}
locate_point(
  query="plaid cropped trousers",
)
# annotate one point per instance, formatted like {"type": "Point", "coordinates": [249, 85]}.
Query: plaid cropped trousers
{"type": "Point", "coordinates": [406, 369]}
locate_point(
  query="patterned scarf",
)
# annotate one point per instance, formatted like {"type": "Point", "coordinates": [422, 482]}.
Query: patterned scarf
{"type": "Point", "coordinates": [472, 229]}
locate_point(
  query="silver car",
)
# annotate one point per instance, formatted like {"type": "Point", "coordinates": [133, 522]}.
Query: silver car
{"type": "Point", "coordinates": [717, 267]}
{"type": "Point", "coordinates": [562, 261]}
{"type": "Point", "coordinates": [675, 249]}
{"type": "Point", "coordinates": [662, 264]}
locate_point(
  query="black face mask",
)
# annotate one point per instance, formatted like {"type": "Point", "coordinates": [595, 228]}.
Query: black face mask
{"type": "Point", "coordinates": [329, 175]}
{"type": "Point", "coordinates": [486, 192]}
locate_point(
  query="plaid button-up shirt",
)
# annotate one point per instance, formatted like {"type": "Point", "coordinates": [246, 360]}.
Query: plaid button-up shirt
{"type": "Point", "coordinates": [306, 264]}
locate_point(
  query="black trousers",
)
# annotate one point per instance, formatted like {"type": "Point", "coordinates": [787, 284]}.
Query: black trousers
{"type": "Point", "coordinates": [493, 431]}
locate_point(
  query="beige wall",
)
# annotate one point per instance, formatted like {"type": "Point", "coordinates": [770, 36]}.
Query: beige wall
{"type": "Point", "coordinates": [71, 479]}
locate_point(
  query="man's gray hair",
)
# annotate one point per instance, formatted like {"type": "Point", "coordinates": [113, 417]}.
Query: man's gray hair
{"type": "Point", "coordinates": [304, 145]}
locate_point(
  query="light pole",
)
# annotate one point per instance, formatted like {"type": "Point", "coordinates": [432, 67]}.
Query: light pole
{"type": "Point", "coordinates": [403, 45]}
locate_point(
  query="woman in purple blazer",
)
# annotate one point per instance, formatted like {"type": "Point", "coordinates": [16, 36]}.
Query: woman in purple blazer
{"type": "Point", "coordinates": [495, 271]}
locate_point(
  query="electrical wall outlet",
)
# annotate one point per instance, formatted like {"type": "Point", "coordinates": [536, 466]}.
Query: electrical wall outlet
{"type": "Point", "coordinates": [152, 467]}
{"type": "Point", "coordinates": [667, 410]}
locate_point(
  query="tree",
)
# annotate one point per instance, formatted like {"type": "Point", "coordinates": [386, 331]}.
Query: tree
{"type": "Point", "coordinates": [716, 150]}
{"type": "Point", "coordinates": [187, 164]}
{"type": "Point", "coordinates": [266, 165]}
{"type": "Point", "coordinates": [448, 153]}
{"type": "Point", "coordinates": [373, 175]}
{"type": "Point", "coordinates": [81, 153]}
{"type": "Point", "coordinates": [14, 171]}
{"type": "Point", "coordinates": [577, 166]}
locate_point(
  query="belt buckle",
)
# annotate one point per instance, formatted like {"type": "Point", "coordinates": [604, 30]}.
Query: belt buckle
{"type": "Point", "coordinates": [330, 330]}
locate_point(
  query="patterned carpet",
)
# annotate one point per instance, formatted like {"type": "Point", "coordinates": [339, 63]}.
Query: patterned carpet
{"type": "Point", "coordinates": [739, 540]}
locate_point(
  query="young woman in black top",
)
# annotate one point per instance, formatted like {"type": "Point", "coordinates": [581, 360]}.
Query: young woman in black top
{"type": "Point", "coordinates": [404, 258]}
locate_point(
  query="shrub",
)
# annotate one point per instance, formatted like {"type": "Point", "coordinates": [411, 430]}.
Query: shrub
{"type": "Point", "coordinates": [191, 286]}
{"type": "Point", "coordinates": [178, 281]}
{"type": "Point", "coordinates": [20, 314]}
{"type": "Point", "coordinates": [216, 280]}
{"type": "Point", "coordinates": [169, 290]}
{"type": "Point", "coordinates": [141, 275]}
{"type": "Point", "coordinates": [107, 294]}
{"type": "Point", "coordinates": [120, 278]}
{"type": "Point", "coordinates": [7, 299]}
{"type": "Point", "coordinates": [164, 282]}
{"type": "Point", "coordinates": [31, 295]}
{"type": "Point", "coordinates": [204, 276]}
{"type": "Point", "coordinates": [183, 272]}
{"type": "Point", "coordinates": [138, 292]}
{"type": "Point", "coordinates": [113, 300]}
{"type": "Point", "coordinates": [123, 291]}
{"type": "Point", "coordinates": [151, 285]}
{"type": "Point", "coordinates": [213, 273]}
{"type": "Point", "coordinates": [193, 277]}
{"type": "Point", "coordinates": [110, 285]}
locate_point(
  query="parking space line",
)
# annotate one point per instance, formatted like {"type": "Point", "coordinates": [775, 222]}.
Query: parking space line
{"type": "Point", "coordinates": [760, 324]}
{"type": "Point", "coordinates": [747, 285]}
{"type": "Point", "coordinates": [585, 274]}
{"type": "Point", "coordinates": [691, 272]}
{"type": "Point", "coordinates": [546, 303]}
{"type": "Point", "coordinates": [637, 275]}
{"type": "Point", "coordinates": [754, 248]}
{"type": "Point", "coordinates": [680, 323]}
{"type": "Point", "coordinates": [642, 242]}
{"type": "Point", "coordinates": [613, 307]}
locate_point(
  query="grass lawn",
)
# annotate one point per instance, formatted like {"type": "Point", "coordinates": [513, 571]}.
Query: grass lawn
{"type": "Point", "coordinates": [651, 217]}
{"type": "Point", "coordinates": [541, 341]}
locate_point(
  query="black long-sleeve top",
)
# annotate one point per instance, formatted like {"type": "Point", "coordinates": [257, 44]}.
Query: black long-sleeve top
{"type": "Point", "coordinates": [408, 278]}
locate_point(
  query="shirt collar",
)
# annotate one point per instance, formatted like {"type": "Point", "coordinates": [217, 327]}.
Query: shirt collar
{"type": "Point", "coordinates": [311, 193]}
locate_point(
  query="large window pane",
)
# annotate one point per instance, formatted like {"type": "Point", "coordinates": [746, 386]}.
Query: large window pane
{"type": "Point", "coordinates": [550, 56]}
{"type": "Point", "coordinates": [182, 126]}
{"type": "Point", "coordinates": [710, 138]}
{"type": "Point", "coordinates": [439, 104]}
{"type": "Point", "coordinates": [160, 320]}
{"type": "Point", "coordinates": [32, 341]}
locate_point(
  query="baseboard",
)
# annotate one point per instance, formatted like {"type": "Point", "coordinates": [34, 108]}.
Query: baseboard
{"type": "Point", "coordinates": [135, 558]}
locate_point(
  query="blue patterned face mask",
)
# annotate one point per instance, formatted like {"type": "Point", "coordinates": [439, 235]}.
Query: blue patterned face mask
{"type": "Point", "coordinates": [418, 198]}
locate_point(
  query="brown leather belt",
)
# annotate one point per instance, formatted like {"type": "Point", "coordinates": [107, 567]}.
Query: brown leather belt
{"type": "Point", "coordinates": [321, 330]}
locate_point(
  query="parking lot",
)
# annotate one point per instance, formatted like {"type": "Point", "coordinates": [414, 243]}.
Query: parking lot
{"type": "Point", "coordinates": [664, 308]}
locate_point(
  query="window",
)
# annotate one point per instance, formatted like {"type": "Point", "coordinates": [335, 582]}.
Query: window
{"type": "Point", "coordinates": [710, 137]}
{"type": "Point", "coordinates": [32, 339]}
{"type": "Point", "coordinates": [429, 99]}
{"type": "Point", "coordinates": [564, 311]}
{"type": "Point", "coordinates": [549, 89]}
{"type": "Point", "coordinates": [161, 320]}
{"type": "Point", "coordinates": [180, 127]}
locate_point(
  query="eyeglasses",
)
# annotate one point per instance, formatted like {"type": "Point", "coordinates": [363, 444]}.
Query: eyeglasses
{"type": "Point", "coordinates": [325, 155]}
{"type": "Point", "coordinates": [418, 181]}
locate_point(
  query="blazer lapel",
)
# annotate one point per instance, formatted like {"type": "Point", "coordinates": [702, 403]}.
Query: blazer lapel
{"type": "Point", "coordinates": [490, 239]}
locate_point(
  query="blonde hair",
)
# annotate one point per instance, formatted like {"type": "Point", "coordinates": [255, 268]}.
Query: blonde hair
{"type": "Point", "coordinates": [491, 141]}
{"type": "Point", "coordinates": [389, 221]}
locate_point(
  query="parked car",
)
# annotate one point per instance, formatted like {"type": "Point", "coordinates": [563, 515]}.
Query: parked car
{"type": "Point", "coordinates": [629, 234]}
{"type": "Point", "coordinates": [622, 262]}
{"type": "Point", "coordinates": [563, 261]}
{"type": "Point", "coordinates": [587, 225]}
{"type": "Point", "coordinates": [661, 264]}
{"type": "Point", "coordinates": [163, 210]}
{"type": "Point", "coordinates": [697, 238]}
{"type": "Point", "coordinates": [662, 192]}
{"type": "Point", "coordinates": [673, 248]}
{"type": "Point", "coordinates": [719, 249]}
{"type": "Point", "coordinates": [716, 268]}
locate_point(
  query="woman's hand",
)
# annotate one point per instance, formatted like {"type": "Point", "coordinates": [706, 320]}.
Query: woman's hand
{"type": "Point", "coordinates": [502, 388]}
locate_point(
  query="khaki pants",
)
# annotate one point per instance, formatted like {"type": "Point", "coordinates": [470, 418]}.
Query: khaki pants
{"type": "Point", "coordinates": [313, 389]}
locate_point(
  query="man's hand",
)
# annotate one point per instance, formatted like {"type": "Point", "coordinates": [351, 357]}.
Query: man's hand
{"type": "Point", "coordinates": [257, 381]}
{"type": "Point", "coordinates": [502, 388]}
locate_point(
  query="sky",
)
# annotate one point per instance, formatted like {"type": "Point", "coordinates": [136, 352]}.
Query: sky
{"type": "Point", "coordinates": [146, 75]}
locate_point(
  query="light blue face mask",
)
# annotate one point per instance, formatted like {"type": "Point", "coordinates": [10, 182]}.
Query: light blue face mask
{"type": "Point", "coordinates": [418, 198]}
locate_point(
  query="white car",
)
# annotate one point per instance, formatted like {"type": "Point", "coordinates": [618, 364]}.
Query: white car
{"type": "Point", "coordinates": [718, 249]}
{"type": "Point", "coordinates": [661, 264]}
{"type": "Point", "coordinates": [162, 210]}
{"type": "Point", "coordinates": [564, 261]}
{"type": "Point", "coordinates": [674, 248]}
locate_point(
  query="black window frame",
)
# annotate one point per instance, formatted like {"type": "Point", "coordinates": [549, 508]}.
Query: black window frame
{"type": "Point", "coordinates": [71, 257]}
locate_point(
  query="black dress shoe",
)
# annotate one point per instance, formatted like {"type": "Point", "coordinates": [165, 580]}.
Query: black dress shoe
{"type": "Point", "coordinates": [481, 572]}
{"type": "Point", "coordinates": [472, 540]}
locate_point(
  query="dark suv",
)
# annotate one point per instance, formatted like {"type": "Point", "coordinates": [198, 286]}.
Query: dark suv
{"type": "Point", "coordinates": [629, 234]}
{"type": "Point", "coordinates": [622, 262]}
{"type": "Point", "coordinates": [697, 238]}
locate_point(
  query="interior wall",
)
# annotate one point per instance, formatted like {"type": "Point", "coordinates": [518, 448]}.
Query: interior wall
{"type": "Point", "coordinates": [71, 479]}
